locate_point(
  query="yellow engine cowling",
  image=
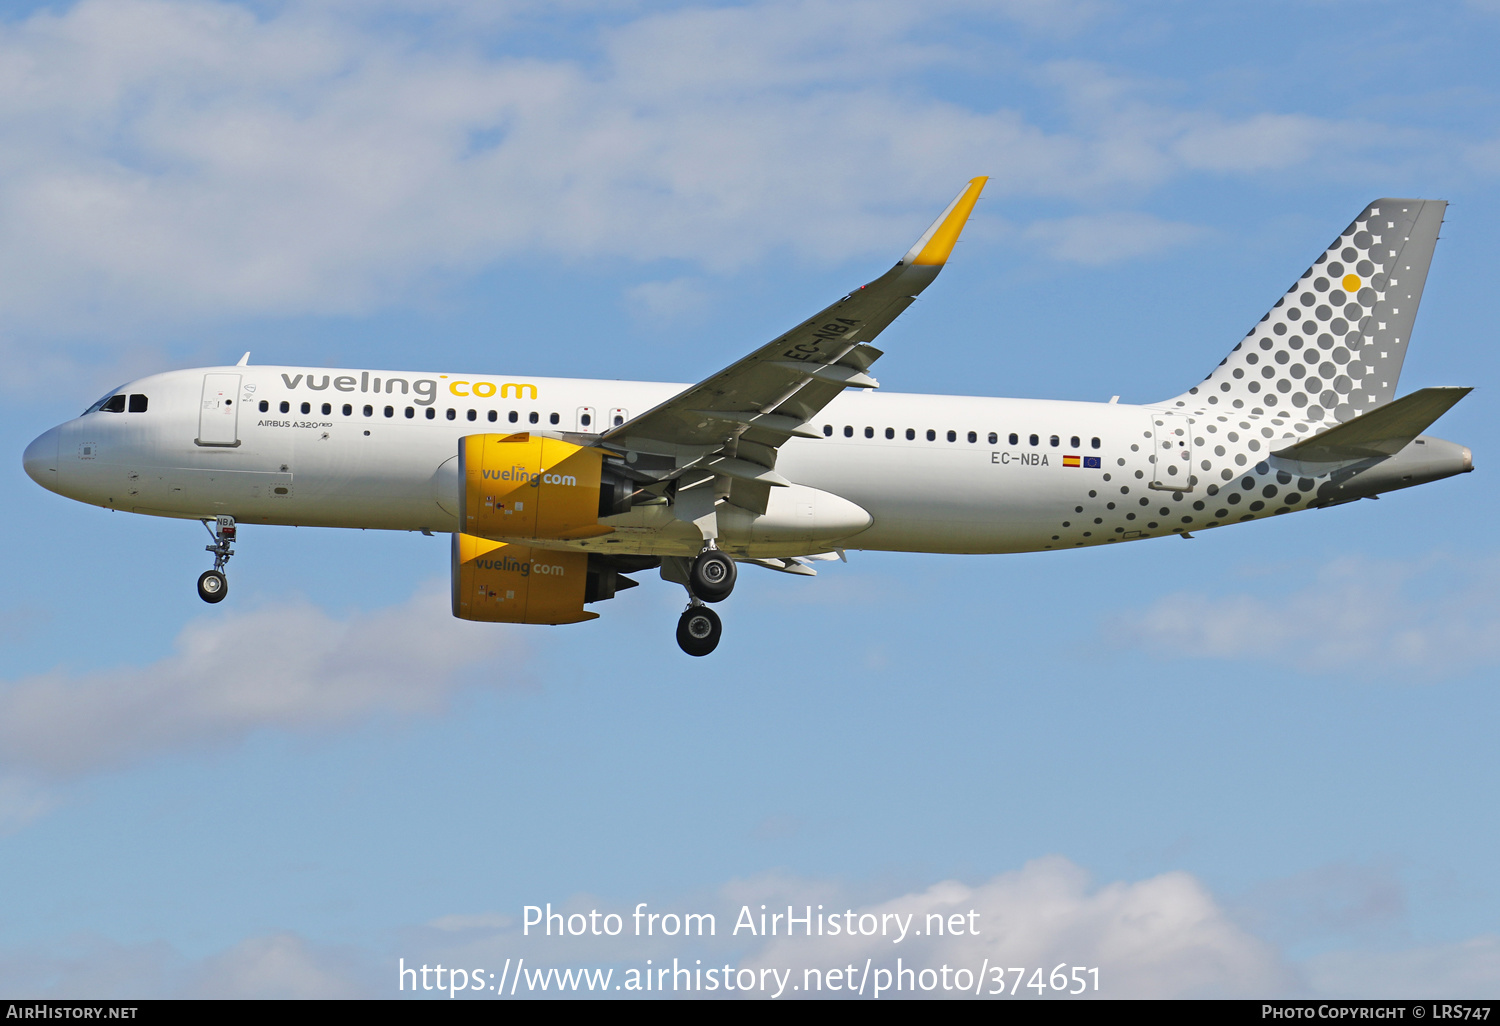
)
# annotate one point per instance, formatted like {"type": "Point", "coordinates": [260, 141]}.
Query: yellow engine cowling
{"type": "Point", "coordinates": [527, 486]}
{"type": "Point", "coordinates": [502, 583]}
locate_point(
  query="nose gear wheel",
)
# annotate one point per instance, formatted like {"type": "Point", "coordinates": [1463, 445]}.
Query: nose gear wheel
{"type": "Point", "coordinates": [213, 585]}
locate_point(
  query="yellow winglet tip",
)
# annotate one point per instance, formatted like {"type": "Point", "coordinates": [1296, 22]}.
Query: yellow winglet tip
{"type": "Point", "coordinates": [938, 241]}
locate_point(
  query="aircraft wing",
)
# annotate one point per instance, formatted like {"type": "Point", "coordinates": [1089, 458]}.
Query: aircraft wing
{"type": "Point", "coordinates": [731, 424]}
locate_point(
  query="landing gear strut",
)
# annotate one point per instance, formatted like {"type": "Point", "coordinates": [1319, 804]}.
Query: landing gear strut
{"type": "Point", "coordinates": [212, 584]}
{"type": "Point", "coordinates": [699, 630]}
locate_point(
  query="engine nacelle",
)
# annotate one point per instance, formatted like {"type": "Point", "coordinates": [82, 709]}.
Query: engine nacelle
{"type": "Point", "coordinates": [527, 486]}
{"type": "Point", "coordinates": [508, 583]}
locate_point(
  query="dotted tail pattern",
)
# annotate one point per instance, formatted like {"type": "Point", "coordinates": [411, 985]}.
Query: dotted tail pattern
{"type": "Point", "coordinates": [1332, 347]}
{"type": "Point", "coordinates": [1329, 350]}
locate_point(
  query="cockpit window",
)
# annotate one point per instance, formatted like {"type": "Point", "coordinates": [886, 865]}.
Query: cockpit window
{"type": "Point", "coordinates": [137, 403]}
{"type": "Point", "coordinates": [100, 404]}
{"type": "Point", "coordinates": [114, 404]}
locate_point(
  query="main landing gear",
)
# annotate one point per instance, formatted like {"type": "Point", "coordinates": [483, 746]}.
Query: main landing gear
{"type": "Point", "coordinates": [710, 578]}
{"type": "Point", "coordinates": [699, 630]}
{"type": "Point", "coordinates": [212, 584]}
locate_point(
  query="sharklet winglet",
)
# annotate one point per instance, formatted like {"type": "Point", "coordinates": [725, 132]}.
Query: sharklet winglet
{"type": "Point", "coordinates": [938, 240]}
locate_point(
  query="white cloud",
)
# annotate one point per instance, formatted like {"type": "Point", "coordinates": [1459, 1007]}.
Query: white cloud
{"type": "Point", "coordinates": [1341, 900]}
{"type": "Point", "coordinates": [282, 965]}
{"type": "Point", "coordinates": [288, 666]}
{"type": "Point", "coordinates": [1162, 937]}
{"type": "Point", "coordinates": [279, 965]}
{"type": "Point", "coordinates": [181, 159]}
{"type": "Point", "coordinates": [1469, 969]}
{"type": "Point", "coordinates": [1099, 239]}
{"type": "Point", "coordinates": [1425, 619]}
{"type": "Point", "coordinates": [21, 802]}
{"type": "Point", "coordinates": [666, 301]}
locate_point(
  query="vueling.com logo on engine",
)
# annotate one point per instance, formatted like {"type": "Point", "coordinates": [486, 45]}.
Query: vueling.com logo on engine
{"type": "Point", "coordinates": [524, 567]}
{"type": "Point", "coordinates": [526, 476]}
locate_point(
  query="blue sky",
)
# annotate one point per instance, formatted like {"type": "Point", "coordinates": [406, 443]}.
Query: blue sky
{"type": "Point", "coordinates": [1272, 745]}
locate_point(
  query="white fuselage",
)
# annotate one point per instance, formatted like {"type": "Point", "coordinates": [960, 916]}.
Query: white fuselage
{"type": "Point", "coordinates": [377, 450]}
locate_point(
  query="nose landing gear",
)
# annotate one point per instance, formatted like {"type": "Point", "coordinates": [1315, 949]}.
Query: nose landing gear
{"type": "Point", "coordinates": [212, 584]}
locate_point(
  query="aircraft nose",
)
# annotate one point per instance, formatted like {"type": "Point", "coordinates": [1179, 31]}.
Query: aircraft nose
{"type": "Point", "coordinates": [40, 460]}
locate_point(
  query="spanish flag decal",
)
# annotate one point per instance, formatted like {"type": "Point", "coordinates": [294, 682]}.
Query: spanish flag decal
{"type": "Point", "coordinates": [1072, 461]}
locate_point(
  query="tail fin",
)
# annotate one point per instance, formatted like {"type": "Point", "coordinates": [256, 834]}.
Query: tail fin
{"type": "Point", "coordinates": [1332, 347]}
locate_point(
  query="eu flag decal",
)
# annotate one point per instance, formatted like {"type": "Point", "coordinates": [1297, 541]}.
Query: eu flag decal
{"type": "Point", "coordinates": [1091, 462]}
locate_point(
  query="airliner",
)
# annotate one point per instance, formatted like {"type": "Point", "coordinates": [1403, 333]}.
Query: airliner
{"type": "Point", "coordinates": [556, 491]}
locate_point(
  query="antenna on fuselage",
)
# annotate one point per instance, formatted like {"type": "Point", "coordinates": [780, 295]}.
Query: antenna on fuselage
{"type": "Point", "coordinates": [244, 361]}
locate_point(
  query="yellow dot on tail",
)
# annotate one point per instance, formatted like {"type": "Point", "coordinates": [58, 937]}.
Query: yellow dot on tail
{"type": "Point", "coordinates": [1351, 283]}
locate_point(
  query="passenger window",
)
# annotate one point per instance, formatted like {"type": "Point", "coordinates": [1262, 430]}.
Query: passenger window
{"type": "Point", "coordinates": [553, 419]}
{"type": "Point", "coordinates": [137, 403]}
{"type": "Point", "coordinates": [1074, 442]}
{"type": "Point", "coordinates": [994, 438]}
{"type": "Point", "coordinates": [848, 431]}
{"type": "Point", "coordinates": [1015, 439]}
{"type": "Point", "coordinates": [348, 410]}
{"type": "Point", "coordinates": [1094, 442]}
{"type": "Point", "coordinates": [264, 405]}
{"type": "Point", "coordinates": [473, 415]}
{"type": "Point", "coordinates": [952, 436]}
{"type": "Point", "coordinates": [369, 411]}
{"type": "Point", "coordinates": [452, 414]}
{"type": "Point", "coordinates": [1056, 441]}
{"type": "Point", "coordinates": [390, 411]}
{"type": "Point", "coordinates": [1034, 439]}
{"type": "Point", "coordinates": [286, 407]}
{"type": "Point", "coordinates": [619, 419]}
{"type": "Point", "coordinates": [534, 417]}
{"type": "Point", "coordinates": [307, 407]}
{"type": "Point", "coordinates": [586, 420]}
{"type": "Point", "coordinates": [931, 435]}
{"type": "Point", "coordinates": [910, 434]}
{"type": "Point", "coordinates": [114, 404]}
{"type": "Point", "coordinates": [890, 432]}
{"type": "Point", "coordinates": [827, 430]}
{"type": "Point", "coordinates": [327, 409]}
{"type": "Point", "coordinates": [494, 416]}
{"type": "Point", "coordinates": [514, 416]}
{"type": "Point", "coordinates": [431, 413]}
{"type": "Point", "coordinates": [973, 437]}
{"type": "Point", "coordinates": [410, 413]}
{"type": "Point", "coordinates": [869, 432]}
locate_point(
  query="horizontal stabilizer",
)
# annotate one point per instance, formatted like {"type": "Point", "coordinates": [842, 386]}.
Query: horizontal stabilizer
{"type": "Point", "coordinates": [1384, 431]}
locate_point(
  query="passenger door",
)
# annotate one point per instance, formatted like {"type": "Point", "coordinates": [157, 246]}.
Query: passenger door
{"type": "Point", "coordinates": [218, 417]}
{"type": "Point", "coordinates": [1172, 465]}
